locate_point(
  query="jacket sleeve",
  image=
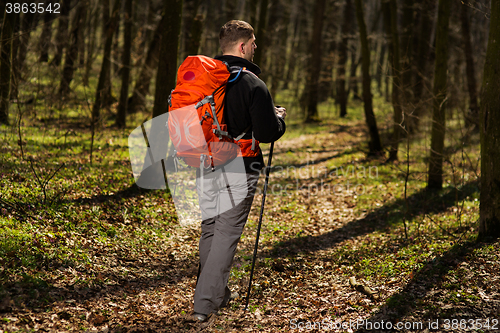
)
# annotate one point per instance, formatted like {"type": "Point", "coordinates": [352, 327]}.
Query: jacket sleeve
{"type": "Point", "coordinates": [267, 126]}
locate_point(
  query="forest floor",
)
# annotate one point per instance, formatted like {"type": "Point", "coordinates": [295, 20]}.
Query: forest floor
{"type": "Point", "coordinates": [348, 243]}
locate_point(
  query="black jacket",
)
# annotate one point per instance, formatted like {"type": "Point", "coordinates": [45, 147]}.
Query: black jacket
{"type": "Point", "coordinates": [248, 102]}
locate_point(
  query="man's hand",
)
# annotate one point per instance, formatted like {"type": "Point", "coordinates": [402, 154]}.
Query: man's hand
{"type": "Point", "coordinates": [280, 111]}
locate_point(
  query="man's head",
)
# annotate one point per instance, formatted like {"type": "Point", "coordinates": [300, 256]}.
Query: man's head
{"type": "Point", "coordinates": [237, 38]}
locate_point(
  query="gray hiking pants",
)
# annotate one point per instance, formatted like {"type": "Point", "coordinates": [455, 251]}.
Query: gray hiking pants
{"type": "Point", "coordinates": [221, 230]}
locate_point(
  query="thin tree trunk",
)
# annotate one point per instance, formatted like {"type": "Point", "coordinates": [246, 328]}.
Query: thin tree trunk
{"type": "Point", "coordinates": [89, 60]}
{"type": "Point", "coordinates": [292, 44]}
{"type": "Point", "coordinates": [192, 26]}
{"type": "Point", "coordinates": [62, 33]}
{"type": "Point", "coordinates": [127, 46]}
{"type": "Point", "coordinates": [106, 64]}
{"type": "Point", "coordinates": [106, 95]}
{"type": "Point", "coordinates": [14, 75]}
{"type": "Point", "coordinates": [489, 217]}
{"type": "Point", "coordinates": [251, 11]}
{"type": "Point", "coordinates": [166, 74]}
{"type": "Point", "coordinates": [115, 49]}
{"type": "Point", "coordinates": [167, 65]}
{"type": "Point", "coordinates": [390, 8]}
{"type": "Point", "coordinates": [406, 52]}
{"type": "Point", "coordinates": [271, 42]}
{"type": "Point", "coordinates": [141, 89]}
{"type": "Point", "coordinates": [435, 177]}
{"type": "Point", "coordinates": [325, 86]}
{"type": "Point", "coordinates": [422, 59]}
{"type": "Point", "coordinates": [26, 28]}
{"type": "Point", "coordinates": [45, 37]}
{"type": "Point", "coordinates": [380, 66]}
{"type": "Point", "coordinates": [353, 79]}
{"type": "Point", "coordinates": [145, 30]}
{"type": "Point", "coordinates": [473, 112]}
{"type": "Point", "coordinates": [341, 70]}
{"type": "Point", "coordinates": [261, 34]}
{"type": "Point", "coordinates": [312, 82]}
{"type": "Point", "coordinates": [72, 51]}
{"type": "Point", "coordinates": [9, 21]}
{"type": "Point", "coordinates": [81, 33]}
{"type": "Point", "coordinates": [375, 144]}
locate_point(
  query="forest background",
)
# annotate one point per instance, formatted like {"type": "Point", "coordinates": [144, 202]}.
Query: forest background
{"type": "Point", "coordinates": [384, 201]}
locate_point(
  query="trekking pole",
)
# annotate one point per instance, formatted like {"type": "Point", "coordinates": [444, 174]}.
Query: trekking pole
{"type": "Point", "coordinates": [260, 222]}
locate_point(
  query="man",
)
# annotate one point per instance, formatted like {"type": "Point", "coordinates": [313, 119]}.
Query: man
{"type": "Point", "coordinates": [249, 109]}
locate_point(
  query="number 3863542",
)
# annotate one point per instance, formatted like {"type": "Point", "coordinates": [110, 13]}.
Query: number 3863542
{"type": "Point", "coordinates": [54, 8]}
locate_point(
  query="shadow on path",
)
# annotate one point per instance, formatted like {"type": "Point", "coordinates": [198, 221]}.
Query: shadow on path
{"type": "Point", "coordinates": [421, 203]}
{"type": "Point", "coordinates": [427, 278]}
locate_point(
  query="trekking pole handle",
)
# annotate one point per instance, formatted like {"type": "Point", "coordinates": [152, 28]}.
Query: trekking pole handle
{"type": "Point", "coordinates": [268, 169]}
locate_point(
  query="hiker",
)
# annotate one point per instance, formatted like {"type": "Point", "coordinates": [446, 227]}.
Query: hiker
{"type": "Point", "coordinates": [248, 106]}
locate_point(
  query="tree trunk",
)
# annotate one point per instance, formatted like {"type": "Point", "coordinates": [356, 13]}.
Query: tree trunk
{"type": "Point", "coordinates": [489, 218]}
{"type": "Point", "coordinates": [325, 86]}
{"type": "Point", "coordinates": [375, 145]}
{"type": "Point", "coordinates": [145, 29]}
{"type": "Point", "coordinates": [26, 28]}
{"type": "Point", "coordinates": [293, 43]}
{"type": "Point", "coordinates": [115, 49]}
{"type": "Point", "coordinates": [261, 34]}
{"type": "Point", "coordinates": [45, 37]}
{"type": "Point", "coordinates": [192, 26]}
{"type": "Point", "coordinates": [380, 66]}
{"type": "Point", "coordinates": [81, 33]}
{"type": "Point", "coordinates": [251, 11]}
{"type": "Point", "coordinates": [62, 33]}
{"type": "Point", "coordinates": [390, 9]}
{"type": "Point", "coordinates": [127, 46]}
{"type": "Point", "coordinates": [14, 74]}
{"type": "Point", "coordinates": [312, 81]}
{"type": "Point", "coordinates": [89, 60]}
{"type": "Point", "coordinates": [106, 64]}
{"type": "Point", "coordinates": [106, 95]}
{"type": "Point", "coordinates": [341, 70]}
{"type": "Point", "coordinates": [72, 51]}
{"type": "Point", "coordinates": [423, 54]}
{"type": "Point", "coordinates": [353, 79]}
{"type": "Point", "coordinates": [473, 112]}
{"type": "Point", "coordinates": [435, 177]}
{"type": "Point", "coordinates": [167, 65]}
{"type": "Point", "coordinates": [271, 42]}
{"type": "Point", "coordinates": [138, 99]}
{"type": "Point", "coordinates": [406, 52]}
{"type": "Point", "coordinates": [9, 21]}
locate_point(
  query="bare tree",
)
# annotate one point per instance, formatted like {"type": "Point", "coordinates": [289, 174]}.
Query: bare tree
{"type": "Point", "coordinates": [489, 220]}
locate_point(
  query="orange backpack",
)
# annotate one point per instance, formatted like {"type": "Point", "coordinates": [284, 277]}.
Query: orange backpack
{"type": "Point", "coordinates": [196, 115]}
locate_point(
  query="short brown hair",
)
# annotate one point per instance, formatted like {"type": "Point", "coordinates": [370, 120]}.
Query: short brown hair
{"type": "Point", "coordinates": [232, 32]}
